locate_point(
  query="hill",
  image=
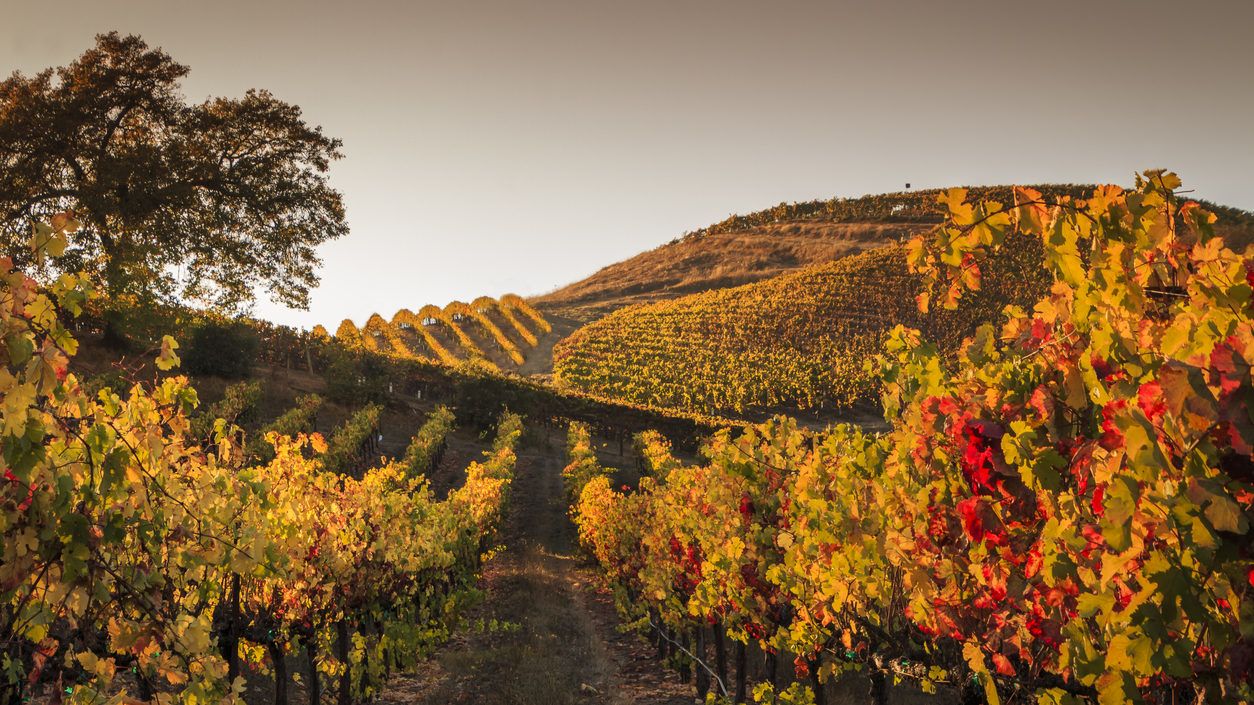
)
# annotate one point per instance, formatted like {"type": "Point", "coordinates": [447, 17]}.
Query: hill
{"type": "Point", "coordinates": [748, 248]}
{"type": "Point", "coordinates": [795, 341]}
{"type": "Point", "coordinates": [789, 342]}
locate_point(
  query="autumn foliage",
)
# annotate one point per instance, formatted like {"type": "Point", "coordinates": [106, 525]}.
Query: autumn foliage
{"type": "Point", "coordinates": [141, 562]}
{"type": "Point", "coordinates": [1059, 512]}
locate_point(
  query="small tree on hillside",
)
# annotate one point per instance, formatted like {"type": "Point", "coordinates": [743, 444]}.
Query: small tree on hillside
{"type": "Point", "coordinates": [205, 202]}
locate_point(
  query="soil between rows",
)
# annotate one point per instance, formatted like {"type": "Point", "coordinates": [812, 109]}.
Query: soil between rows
{"type": "Point", "coordinates": [556, 639]}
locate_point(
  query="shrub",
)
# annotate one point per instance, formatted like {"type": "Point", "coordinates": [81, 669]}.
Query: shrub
{"type": "Point", "coordinates": [356, 379]}
{"type": "Point", "coordinates": [237, 406]}
{"type": "Point", "coordinates": [221, 350]}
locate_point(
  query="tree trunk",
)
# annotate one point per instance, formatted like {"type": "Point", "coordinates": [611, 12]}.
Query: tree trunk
{"type": "Point", "coordinates": [772, 667]}
{"type": "Point", "coordinates": [145, 686]}
{"type": "Point", "coordinates": [11, 693]}
{"type": "Point", "coordinates": [820, 697]}
{"type": "Point", "coordinates": [114, 336]}
{"type": "Point", "coordinates": [365, 659]}
{"type": "Point", "coordinates": [383, 653]}
{"type": "Point", "coordinates": [879, 687]}
{"type": "Point", "coordinates": [685, 661]}
{"type": "Point", "coordinates": [278, 661]}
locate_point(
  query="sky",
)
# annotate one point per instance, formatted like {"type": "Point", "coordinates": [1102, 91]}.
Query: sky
{"type": "Point", "coordinates": [495, 147]}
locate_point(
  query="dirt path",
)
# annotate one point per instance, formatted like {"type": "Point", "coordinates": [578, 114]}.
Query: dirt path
{"type": "Point", "coordinates": [539, 360]}
{"type": "Point", "coordinates": [556, 641]}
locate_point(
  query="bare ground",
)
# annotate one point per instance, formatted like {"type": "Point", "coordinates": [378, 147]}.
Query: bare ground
{"type": "Point", "coordinates": [556, 640]}
{"type": "Point", "coordinates": [539, 360]}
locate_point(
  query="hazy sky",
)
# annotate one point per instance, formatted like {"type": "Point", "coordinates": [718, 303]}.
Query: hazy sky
{"type": "Point", "coordinates": [494, 147]}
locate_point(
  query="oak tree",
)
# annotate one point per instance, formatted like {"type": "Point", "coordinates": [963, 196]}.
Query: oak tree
{"type": "Point", "coordinates": [206, 202]}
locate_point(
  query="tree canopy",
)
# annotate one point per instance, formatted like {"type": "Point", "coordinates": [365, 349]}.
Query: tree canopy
{"type": "Point", "coordinates": [207, 202]}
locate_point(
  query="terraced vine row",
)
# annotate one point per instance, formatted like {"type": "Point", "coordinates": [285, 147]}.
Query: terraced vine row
{"type": "Point", "coordinates": [411, 335]}
{"type": "Point", "coordinates": [427, 447]}
{"type": "Point", "coordinates": [295, 421]}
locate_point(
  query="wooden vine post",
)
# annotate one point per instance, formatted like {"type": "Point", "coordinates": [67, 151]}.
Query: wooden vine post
{"type": "Point", "coordinates": [720, 653]}
{"type": "Point", "coordinates": [230, 636]}
{"type": "Point", "coordinates": [278, 662]}
{"type": "Point", "coordinates": [685, 660]}
{"type": "Point", "coordinates": [816, 685]}
{"type": "Point", "coordinates": [311, 670]}
{"type": "Point", "coordinates": [742, 663]}
{"type": "Point", "coordinates": [703, 675]}
{"type": "Point", "coordinates": [341, 653]}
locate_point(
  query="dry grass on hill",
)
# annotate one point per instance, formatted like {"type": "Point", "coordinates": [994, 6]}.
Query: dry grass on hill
{"type": "Point", "coordinates": [773, 241]}
{"type": "Point", "coordinates": [717, 261]}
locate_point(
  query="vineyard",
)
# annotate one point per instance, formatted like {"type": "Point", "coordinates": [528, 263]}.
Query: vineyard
{"type": "Point", "coordinates": [152, 552]}
{"type": "Point", "coordinates": [953, 446]}
{"type": "Point", "coordinates": [796, 341]}
{"type": "Point", "coordinates": [1059, 513]}
{"type": "Point", "coordinates": [355, 373]}
{"type": "Point", "coordinates": [498, 331]}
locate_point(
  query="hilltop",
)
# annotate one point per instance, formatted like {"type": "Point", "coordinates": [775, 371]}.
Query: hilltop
{"type": "Point", "coordinates": [790, 236]}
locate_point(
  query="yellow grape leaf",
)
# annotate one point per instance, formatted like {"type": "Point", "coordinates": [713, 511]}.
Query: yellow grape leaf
{"type": "Point", "coordinates": [974, 655]}
{"type": "Point", "coordinates": [167, 359]}
{"type": "Point", "coordinates": [88, 660]}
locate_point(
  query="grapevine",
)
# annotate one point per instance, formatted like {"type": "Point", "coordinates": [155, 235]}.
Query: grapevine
{"type": "Point", "coordinates": [1060, 510]}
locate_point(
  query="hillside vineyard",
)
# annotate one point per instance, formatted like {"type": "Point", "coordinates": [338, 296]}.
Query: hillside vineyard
{"type": "Point", "coordinates": [790, 236]}
{"type": "Point", "coordinates": [989, 444]}
{"type": "Point", "coordinates": [797, 341]}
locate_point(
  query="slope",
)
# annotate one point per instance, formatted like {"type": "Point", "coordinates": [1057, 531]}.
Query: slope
{"type": "Point", "coordinates": [791, 342]}
{"type": "Point", "coordinates": [766, 243]}
{"type": "Point", "coordinates": [795, 341]}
